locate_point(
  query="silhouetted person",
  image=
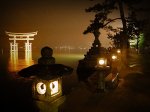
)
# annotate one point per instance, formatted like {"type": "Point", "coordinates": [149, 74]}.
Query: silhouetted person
{"type": "Point", "coordinates": [46, 56]}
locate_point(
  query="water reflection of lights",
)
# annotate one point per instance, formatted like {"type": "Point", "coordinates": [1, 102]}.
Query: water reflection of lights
{"type": "Point", "coordinates": [16, 64]}
{"type": "Point", "coordinates": [68, 59]}
{"type": "Point", "coordinates": [13, 60]}
{"type": "Point", "coordinates": [28, 57]}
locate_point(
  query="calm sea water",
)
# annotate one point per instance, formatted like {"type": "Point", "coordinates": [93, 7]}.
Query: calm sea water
{"type": "Point", "coordinates": [20, 60]}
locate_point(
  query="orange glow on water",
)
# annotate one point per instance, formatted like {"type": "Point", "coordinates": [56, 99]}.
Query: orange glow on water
{"type": "Point", "coordinates": [28, 58]}
{"type": "Point", "coordinates": [16, 64]}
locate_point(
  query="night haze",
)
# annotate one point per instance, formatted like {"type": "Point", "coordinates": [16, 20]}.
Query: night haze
{"type": "Point", "coordinates": [84, 77]}
{"type": "Point", "coordinates": [59, 22]}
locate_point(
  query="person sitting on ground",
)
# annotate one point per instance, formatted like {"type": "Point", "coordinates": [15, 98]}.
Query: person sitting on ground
{"type": "Point", "coordinates": [46, 56]}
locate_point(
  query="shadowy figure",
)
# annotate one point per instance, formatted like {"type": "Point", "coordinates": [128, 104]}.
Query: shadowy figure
{"type": "Point", "coordinates": [47, 58]}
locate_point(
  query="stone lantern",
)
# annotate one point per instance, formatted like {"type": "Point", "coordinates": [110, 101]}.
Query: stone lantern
{"type": "Point", "coordinates": [47, 93]}
{"type": "Point", "coordinates": [47, 84]}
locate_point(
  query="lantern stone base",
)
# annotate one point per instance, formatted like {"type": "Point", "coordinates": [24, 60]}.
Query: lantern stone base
{"type": "Point", "coordinates": [50, 106]}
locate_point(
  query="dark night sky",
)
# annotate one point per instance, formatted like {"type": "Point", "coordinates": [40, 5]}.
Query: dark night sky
{"type": "Point", "coordinates": [58, 22]}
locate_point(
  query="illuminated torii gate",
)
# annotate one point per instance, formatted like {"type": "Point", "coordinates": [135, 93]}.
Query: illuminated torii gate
{"type": "Point", "coordinates": [21, 36]}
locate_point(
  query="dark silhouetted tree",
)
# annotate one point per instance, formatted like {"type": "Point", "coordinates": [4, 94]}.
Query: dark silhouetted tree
{"type": "Point", "coordinates": [129, 24]}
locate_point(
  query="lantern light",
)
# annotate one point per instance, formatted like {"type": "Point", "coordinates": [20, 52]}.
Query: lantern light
{"type": "Point", "coordinates": [41, 88]}
{"type": "Point", "coordinates": [54, 87]}
{"type": "Point", "coordinates": [118, 51]}
{"type": "Point", "coordinates": [114, 57]}
{"type": "Point", "coordinates": [47, 90]}
{"type": "Point", "coordinates": [102, 62]}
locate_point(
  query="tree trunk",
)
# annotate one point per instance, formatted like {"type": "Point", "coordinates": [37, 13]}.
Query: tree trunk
{"type": "Point", "coordinates": [124, 35]}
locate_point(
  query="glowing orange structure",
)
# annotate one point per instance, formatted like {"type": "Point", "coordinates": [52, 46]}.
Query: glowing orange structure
{"type": "Point", "coordinates": [21, 36]}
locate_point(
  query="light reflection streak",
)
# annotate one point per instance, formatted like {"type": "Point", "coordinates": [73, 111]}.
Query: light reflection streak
{"type": "Point", "coordinates": [28, 58]}
{"type": "Point", "coordinates": [13, 60]}
{"type": "Point", "coordinates": [67, 59]}
{"type": "Point", "coordinates": [16, 64]}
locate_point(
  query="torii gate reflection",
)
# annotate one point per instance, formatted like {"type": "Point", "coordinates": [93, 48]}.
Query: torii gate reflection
{"type": "Point", "coordinates": [14, 46]}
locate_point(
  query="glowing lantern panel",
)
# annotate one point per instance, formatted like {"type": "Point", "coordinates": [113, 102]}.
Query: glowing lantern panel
{"type": "Point", "coordinates": [101, 62]}
{"type": "Point", "coordinates": [41, 88]}
{"type": "Point", "coordinates": [54, 87]}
